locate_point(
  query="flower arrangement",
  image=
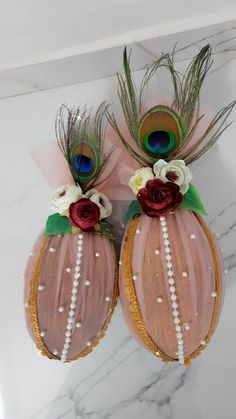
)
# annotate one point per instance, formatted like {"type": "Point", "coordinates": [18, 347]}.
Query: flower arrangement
{"type": "Point", "coordinates": [75, 211]}
{"type": "Point", "coordinates": [163, 188]}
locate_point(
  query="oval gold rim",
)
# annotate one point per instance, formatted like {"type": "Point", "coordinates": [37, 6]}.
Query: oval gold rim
{"type": "Point", "coordinates": [133, 301]}
{"type": "Point", "coordinates": [34, 308]}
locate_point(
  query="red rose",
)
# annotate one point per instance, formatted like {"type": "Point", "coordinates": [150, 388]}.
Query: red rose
{"type": "Point", "coordinates": [84, 214]}
{"type": "Point", "coordinates": [158, 197]}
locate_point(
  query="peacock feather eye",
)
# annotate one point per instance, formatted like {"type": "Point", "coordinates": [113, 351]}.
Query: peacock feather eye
{"type": "Point", "coordinates": [84, 162]}
{"type": "Point", "coordinates": [160, 132]}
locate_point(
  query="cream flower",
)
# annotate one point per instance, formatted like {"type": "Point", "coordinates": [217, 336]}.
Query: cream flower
{"type": "Point", "coordinates": [64, 196]}
{"type": "Point", "coordinates": [140, 178]}
{"type": "Point", "coordinates": [175, 171]}
{"type": "Point", "coordinates": [102, 202]}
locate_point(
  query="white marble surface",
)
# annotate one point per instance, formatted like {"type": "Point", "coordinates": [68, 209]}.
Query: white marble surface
{"type": "Point", "coordinates": [119, 380]}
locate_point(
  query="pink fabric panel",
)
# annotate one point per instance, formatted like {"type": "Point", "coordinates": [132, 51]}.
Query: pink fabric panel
{"type": "Point", "coordinates": [92, 308]}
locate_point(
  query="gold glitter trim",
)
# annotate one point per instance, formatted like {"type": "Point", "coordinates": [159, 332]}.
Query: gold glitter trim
{"type": "Point", "coordinates": [33, 301]}
{"type": "Point", "coordinates": [130, 292]}
{"type": "Point", "coordinates": [217, 270]}
{"type": "Point", "coordinates": [96, 341]}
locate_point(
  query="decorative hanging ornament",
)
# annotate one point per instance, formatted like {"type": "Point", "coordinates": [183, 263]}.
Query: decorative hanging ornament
{"type": "Point", "coordinates": [71, 285]}
{"type": "Point", "coordinates": [171, 281]}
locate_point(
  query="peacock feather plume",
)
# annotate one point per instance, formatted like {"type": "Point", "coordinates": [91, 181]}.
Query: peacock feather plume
{"type": "Point", "coordinates": [80, 136]}
{"type": "Point", "coordinates": [166, 131]}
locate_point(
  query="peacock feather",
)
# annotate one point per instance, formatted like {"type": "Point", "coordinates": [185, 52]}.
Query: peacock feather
{"type": "Point", "coordinates": [166, 132]}
{"type": "Point", "coordinates": [80, 136]}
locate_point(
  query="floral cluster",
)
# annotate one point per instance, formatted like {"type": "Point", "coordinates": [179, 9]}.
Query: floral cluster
{"type": "Point", "coordinates": [161, 189]}
{"type": "Point", "coordinates": [83, 210]}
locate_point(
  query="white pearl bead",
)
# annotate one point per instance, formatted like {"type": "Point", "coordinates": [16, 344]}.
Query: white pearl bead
{"type": "Point", "coordinates": [159, 299]}
{"type": "Point", "coordinates": [69, 326]}
{"type": "Point", "coordinates": [78, 324]}
{"type": "Point", "coordinates": [77, 275]}
{"type": "Point", "coordinates": [175, 313]}
{"type": "Point", "coordinates": [164, 229]}
{"type": "Point", "coordinates": [180, 341]}
{"type": "Point", "coordinates": [52, 249]}
{"type": "Point", "coordinates": [75, 283]}
{"type": "Point", "coordinates": [88, 343]}
{"type": "Point", "coordinates": [72, 305]}
{"type": "Point", "coordinates": [80, 236]}
{"type": "Point", "coordinates": [175, 305]}
{"type": "Point", "coordinates": [156, 252]}
{"type": "Point", "coordinates": [135, 277]}
{"type": "Point", "coordinates": [68, 334]}
{"type": "Point", "coordinates": [203, 342]}
{"type": "Point", "coordinates": [77, 269]}
{"type": "Point", "coordinates": [79, 255]}
{"type": "Point", "coordinates": [162, 218]}
{"type": "Point", "coordinates": [192, 236]}
{"type": "Point", "coordinates": [120, 263]}
{"type": "Point", "coordinates": [66, 346]}
{"type": "Point", "coordinates": [68, 270]}
{"type": "Point", "coordinates": [171, 281]}
{"type": "Point", "coordinates": [42, 333]}
{"type": "Point", "coordinates": [173, 297]}
{"type": "Point", "coordinates": [176, 321]}
{"type": "Point", "coordinates": [73, 298]}
{"type": "Point", "coordinates": [67, 339]}
{"type": "Point", "coordinates": [184, 274]}
{"type": "Point", "coordinates": [177, 328]}
{"type": "Point", "coordinates": [55, 352]}
{"type": "Point", "coordinates": [226, 271]}
{"type": "Point", "coordinates": [179, 335]}
{"type": "Point", "coordinates": [74, 291]}
{"type": "Point", "coordinates": [80, 248]}
{"type": "Point", "coordinates": [87, 283]}
{"type": "Point", "coordinates": [214, 294]}
{"type": "Point", "coordinates": [168, 257]}
{"type": "Point", "coordinates": [41, 287]}
{"type": "Point", "coordinates": [165, 236]}
{"type": "Point", "coordinates": [172, 289]}
{"type": "Point", "coordinates": [97, 254]}
{"type": "Point", "coordinates": [27, 305]}
{"type": "Point", "coordinates": [186, 326]}
{"type": "Point", "coordinates": [137, 231]}
{"type": "Point", "coordinates": [107, 298]}
{"type": "Point", "coordinates": [166, 242]}
{"type": "Point", "coordinates": [169, 265]}
{"type": "Point", "coordinates": [167, 250]}
{"type": "Point", "coordinates": [60, 309]}
{"type": "Point", "coordinates": [71, 320]}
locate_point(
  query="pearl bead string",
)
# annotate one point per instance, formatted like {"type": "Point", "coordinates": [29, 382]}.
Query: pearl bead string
{"type": "Point", "coordinates": [74, 291]}
{"type": "Point", "coordinates": [172, 289]}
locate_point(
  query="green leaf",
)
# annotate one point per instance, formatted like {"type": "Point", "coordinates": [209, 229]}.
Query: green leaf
{"type": "Point", "coordinates": [105, 229]}
{"type": "Point", "coordinates": [192, 201]}
{"type": "Point", "coordinates": [134, 209]}
{"type": "Point", "coordinates": [57, 224]}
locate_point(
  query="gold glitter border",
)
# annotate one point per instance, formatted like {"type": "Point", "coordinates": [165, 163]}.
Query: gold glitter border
{"type": "Point", "coordinates": [131, 293]}
{"type": "Point", "coordinates": [132, 297]}
{"type": "Point", "coordinates": [34, 309]}
{"type": "Point", "coordinates": [33, 301]}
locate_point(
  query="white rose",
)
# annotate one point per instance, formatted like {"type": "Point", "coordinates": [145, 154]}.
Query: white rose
{"type": "Point", "coordinates": [102, 202]}
{"type": "Point", "coordinates": [140, 178]}
{"type": "Point", "coordinates": [175, 171]}
{"type": "Point", "coordinates": [64, 196]}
